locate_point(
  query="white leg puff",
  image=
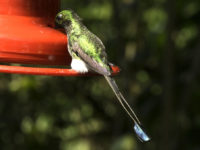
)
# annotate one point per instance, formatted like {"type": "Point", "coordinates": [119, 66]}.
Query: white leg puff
{"type": "Point", "coordinates": [79, 66]}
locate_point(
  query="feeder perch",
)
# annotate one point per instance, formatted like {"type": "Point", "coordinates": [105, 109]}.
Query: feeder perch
{"type": "Point", "coordinates": [27, 36]}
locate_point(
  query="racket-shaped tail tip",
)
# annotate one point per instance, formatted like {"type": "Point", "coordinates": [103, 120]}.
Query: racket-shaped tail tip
{"type": "Point", "coordinates": [141, 133]}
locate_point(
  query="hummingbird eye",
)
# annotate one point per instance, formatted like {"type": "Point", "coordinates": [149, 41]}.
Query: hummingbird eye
{"type": "Point", "coordinates": [59, 17]}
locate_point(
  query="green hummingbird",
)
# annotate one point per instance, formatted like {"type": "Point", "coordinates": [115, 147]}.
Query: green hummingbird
{"type": "Point", "coordinates": [88, 54]}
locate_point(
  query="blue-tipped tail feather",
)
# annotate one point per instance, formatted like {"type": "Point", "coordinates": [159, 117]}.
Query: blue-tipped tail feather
{"type": "Point", "coordinates": [141, 134]}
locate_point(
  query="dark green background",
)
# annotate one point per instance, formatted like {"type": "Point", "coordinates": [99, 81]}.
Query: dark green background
{"type": "Point", "coordinates": [156, 43]}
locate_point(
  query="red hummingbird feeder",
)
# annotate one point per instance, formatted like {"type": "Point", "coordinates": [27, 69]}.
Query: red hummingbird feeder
{"type": "Point", "coordinates": [27, 36]}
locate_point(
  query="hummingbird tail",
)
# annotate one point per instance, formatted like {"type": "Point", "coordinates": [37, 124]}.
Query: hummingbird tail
{"type": "Point", "coordinates": [137, 128]}
{"type": "Point", "coordinates": [121, 99]}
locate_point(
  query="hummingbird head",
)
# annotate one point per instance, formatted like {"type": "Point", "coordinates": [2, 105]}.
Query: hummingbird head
{"type": "Point", "coordinates": [65, 18]}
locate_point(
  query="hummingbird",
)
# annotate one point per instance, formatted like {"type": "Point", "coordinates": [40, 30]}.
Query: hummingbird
{"type": "Point", "coordinates": [88, 54]}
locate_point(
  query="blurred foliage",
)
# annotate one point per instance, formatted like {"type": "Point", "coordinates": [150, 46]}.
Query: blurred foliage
{"type": "Point", "coordinates": [157, 45]}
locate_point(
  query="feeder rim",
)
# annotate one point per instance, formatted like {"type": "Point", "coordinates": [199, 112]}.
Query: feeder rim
{"type": "Point", "coordinates": [48, 71]}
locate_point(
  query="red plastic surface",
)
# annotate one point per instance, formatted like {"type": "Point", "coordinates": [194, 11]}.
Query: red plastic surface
{"type": "Point", "coordinates": [47, 71]}
{"type": "Point", "coordinates": [30, 40]}
{"type": "Point", "coordinates": [27, 37]}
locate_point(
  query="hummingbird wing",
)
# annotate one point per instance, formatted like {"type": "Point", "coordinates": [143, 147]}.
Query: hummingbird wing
{"type": "Point", "coordinates": [91, 50]}
{"type": "Point", "coordinates": [91, 62]}
{"type": "Point", "coordinates": [137, 125]}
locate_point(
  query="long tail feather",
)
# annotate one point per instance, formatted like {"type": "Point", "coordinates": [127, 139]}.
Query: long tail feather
{"type": "Point", "coordinates": [137, 128]}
